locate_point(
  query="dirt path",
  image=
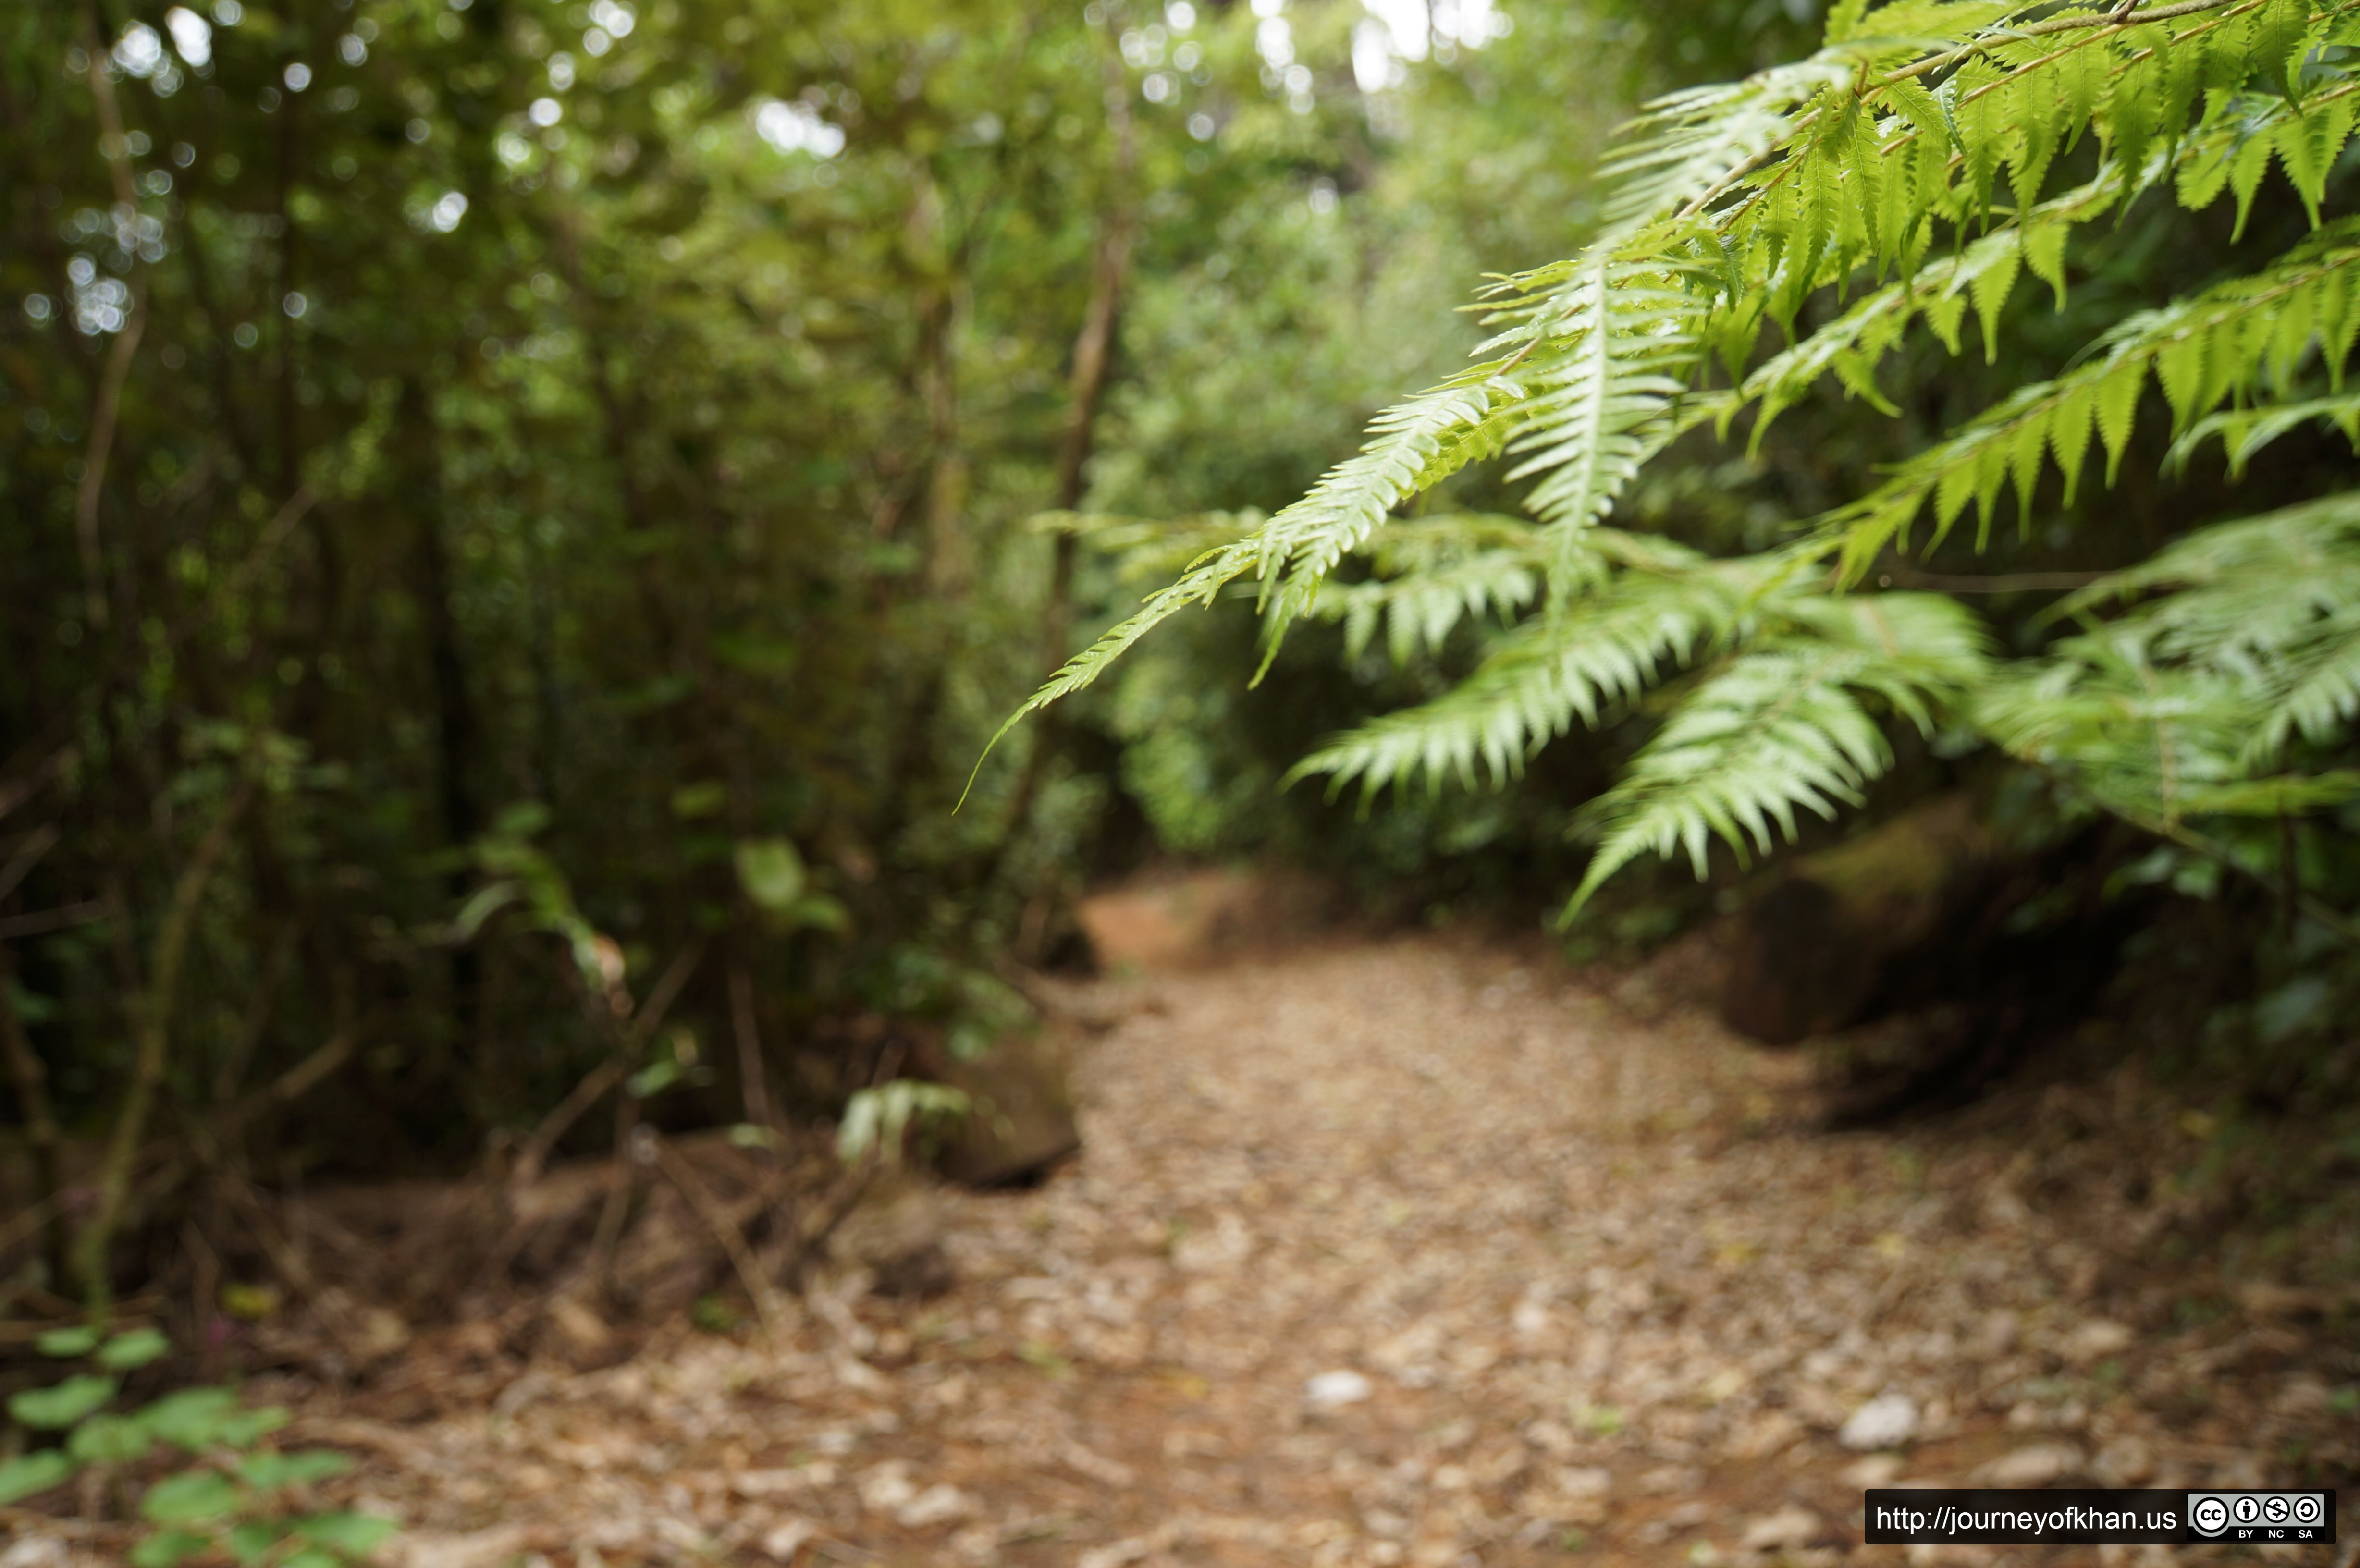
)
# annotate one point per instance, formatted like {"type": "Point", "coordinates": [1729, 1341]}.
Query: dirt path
{"type": "Point", "coordinates": [1403, 1252]}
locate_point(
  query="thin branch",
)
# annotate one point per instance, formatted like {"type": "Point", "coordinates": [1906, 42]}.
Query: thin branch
{"type": "Point", "coordinates": [753, 1082]}
{"type": "Point", "coordinates": [39, 842]}
{"type": "Point", "coordinates": [41, 1133]}
{"type": "Point", "coordinates": [151, 1034]}
{"type": "Point", "coordinates": [96, 691]}
{"type": "Point", "coordinates": [42, 922]}
{"type": "Point", "coordinates": [116, 148]}
{"type": "Point", "coordinates": [727, 1233]}
{"type": "Point", "coordinates": [2005, 583]}
{"type": "Point", "coordinates": [606, 1074]}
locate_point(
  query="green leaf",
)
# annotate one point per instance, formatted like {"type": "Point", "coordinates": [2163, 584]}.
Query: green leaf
{"type": "Point", "coordinates": [820, 913]}
{"type": "Point", "coordinates": [1990, 290]}
{"type": "Point", "coordinates": [2118, 397]}
{"type": "Point", "coordinates": [247, 1428]}
{"type": "Point", "coordinates": [191, 1497]}
{"type": "Point", "coordinates": [65, 1342]}
{"type": "Point", "coordinates": [266, 1471]}
{"type": "Point", "coordinates": [481, 906]}
{"type": "Point", "coordinates": [128, 1352]}
{"type": "Point", "coordinates": [699, 799]}
{"type": "Point", "coordinates": [192, 1418]}
{"type": "Point", "coordinates": [252, 1540]}
{"type": "Point", "coordinates": [312, 1557]}
{"type": "Point", "coordinates": [653, 1079]}
{"type": "Point", "coordinates": [35, 1472]}
{"type": "Point", "coordinates": [109, 1439]}
{"type": "Point", "coordinates": [771, 872]}
{"type": "Point", "coordinates": [521, 820]}
{"type": "Point", "coordinates": [168, 1549]}
{"type": "Point", "coordinates": [51, 1409]}
{"type": "Point", "coordinates": [352, 1534]}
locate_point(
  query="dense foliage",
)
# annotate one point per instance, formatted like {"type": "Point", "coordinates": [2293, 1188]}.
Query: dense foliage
{"type": "Point", "coordinates": [520, 515]}
{"type": "Point", "coordinates": [1930, 156]}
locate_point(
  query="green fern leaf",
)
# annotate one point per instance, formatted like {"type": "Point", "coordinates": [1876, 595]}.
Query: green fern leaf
{"type": "Point", "coordinates": [1782, 728]}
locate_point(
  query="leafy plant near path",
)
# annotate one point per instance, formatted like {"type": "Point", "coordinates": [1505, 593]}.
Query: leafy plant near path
{"type": "Point", "coordinates": [1909, 160]}
{"type": "Point", "coordinates": [229, 1495]}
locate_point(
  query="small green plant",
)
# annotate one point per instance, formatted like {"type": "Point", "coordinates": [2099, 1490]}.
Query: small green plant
{"type": "Point", "coordinates": [229, 1494]}
{"type": "Point", "coordinates": [879, 1119]}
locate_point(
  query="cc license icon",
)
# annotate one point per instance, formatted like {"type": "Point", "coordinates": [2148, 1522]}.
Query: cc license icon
{"type": "Point", "coordinates": [2247, 1508]}
{"type": "Point", "coordinates": [2209, 1515]}
{"type": "Point", "coordinates": [2309, 1509]}
{"type": "Point", "coordinates": [2276, 1509]}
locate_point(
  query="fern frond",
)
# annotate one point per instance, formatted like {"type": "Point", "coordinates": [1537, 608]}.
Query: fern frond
{"type": "Point", "coordinates": [1425, 592]}
{"type": "Point", "coordinates": [1601, 409]}
{"type": "Point", "coordinates": [1783, 727]}
{"type": "Point", "coordinates": [2200, 350]}
{"type": "Point", "coordinates": [1687, 145]}
{"type": "Point", "coordinates": [2151, 744]}
{"type": "Point", "coordinates": [2244, 432]}
{"type": "Point", "coordinates": [1149, 547]}
{"type": "Point", "coordinates": [2271, 605]}
{"type": "Point", "coordinates": [1734, 205]}
{"type": "Point", "coordinates": [1538, 678]}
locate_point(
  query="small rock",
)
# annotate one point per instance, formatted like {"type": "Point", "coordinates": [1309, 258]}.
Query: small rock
{"type": "Point", "coordinates": [35, 1552]}
{"type": "Point", "coordinates": [2096, 1340]}
{"type": "Point", "coordinates": [1771, 1433]}
{"type": "Point", "coordinates": [1786, 1530]}
{"type": "Point", "coordinates": [1119, 1555]}
{"type": "Point", "coordinates": [887, 1489]}
{"type": "Point", "coordinates": [935, 1505]}
{"type": "Point", "coordinates": [1888, 1420]}
{"type": "Point", "coordinates": [2125, 1462]}
{"type": "Point", "coordinates": [1332, 1390]}
{"type": "Point", "coordinates": [784, 1540]}
{"type": "Point", "coordinates": [1877, 1470]}
{"type": "Point", "coordinates": [584, 1332]}
{"type": "Point", "coordinates": [1585, 1481]}
{"type": "Point", "coordinates": [2035, 1465]}
{"type": "Point", "coordinates": [1667, 1478]}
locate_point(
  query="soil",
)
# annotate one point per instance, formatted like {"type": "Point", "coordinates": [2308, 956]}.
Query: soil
{"type": "Point", "coordinates": [1413, 1250]}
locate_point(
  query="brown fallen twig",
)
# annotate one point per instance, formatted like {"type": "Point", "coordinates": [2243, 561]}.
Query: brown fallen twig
{"type": "Point", "coordinates": [727, 1231]}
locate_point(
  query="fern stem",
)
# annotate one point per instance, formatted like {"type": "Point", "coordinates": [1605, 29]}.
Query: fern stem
{"type": "Point", "coordinates": [2113, 21]}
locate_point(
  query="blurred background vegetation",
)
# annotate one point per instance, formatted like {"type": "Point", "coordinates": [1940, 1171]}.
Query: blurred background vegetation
{"type": "Point", "coordinates": [519, 512]}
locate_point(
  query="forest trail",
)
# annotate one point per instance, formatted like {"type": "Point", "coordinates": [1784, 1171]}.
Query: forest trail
{"type": "Point", "coordinates": [1412, 1251]}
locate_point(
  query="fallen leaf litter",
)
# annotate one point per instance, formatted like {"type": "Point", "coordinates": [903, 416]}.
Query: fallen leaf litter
{"type": "Point", "coordinates": [1408, 1252]}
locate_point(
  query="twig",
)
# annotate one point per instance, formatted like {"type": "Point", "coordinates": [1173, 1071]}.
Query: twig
{"type": "Point", "coordinates": [39, 842]}
{"type": "Point", "coordinates": [15, 795]}
{"type": "Point", "coordinates": [554, 1126]}
{"type": "Point", "coordinates": [114, 146]}
{"type": "Point", "coordinates": [753, 1083]}
{"type": "Point", "coordinates": [2009, 582]}
{"type": "Point", "coordinates": [41, 1122]}
{"type": "Point", "coordinates": [727, 1233]}
{"type": "Point", "coordinates": [284, 1256]}
{"type": "Point", "coordinates": [288, 1086]}
{"type": "Point", "coordinates": [65, 753]}
{"type": "Point", "coordinates": [257, 1015]}
{"type": "Point", "coordinates": [606, 1074]}
{"type": "Point", "coordinates": [151, 1034]}
{"type": "Point", "coordinates": [43, 922]}
{"type": "Point", "coordinates": [650, 1015]}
